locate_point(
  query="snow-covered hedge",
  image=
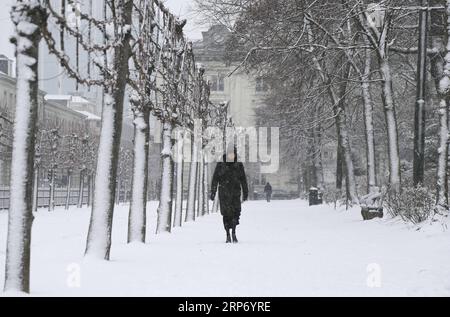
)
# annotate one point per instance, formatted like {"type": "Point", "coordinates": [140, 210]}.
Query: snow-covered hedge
{"type": "Point", "coordinates": [413, 204]}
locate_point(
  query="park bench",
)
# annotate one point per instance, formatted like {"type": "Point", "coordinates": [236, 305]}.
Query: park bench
{"type": "Point", "coordinates": [372, 206]}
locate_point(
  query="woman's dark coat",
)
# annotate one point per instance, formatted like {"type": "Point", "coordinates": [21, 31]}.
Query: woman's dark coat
{"type": "Point", "coordinates": [268, 189]}
{"type": "Point", "coordinates": [230, 178]}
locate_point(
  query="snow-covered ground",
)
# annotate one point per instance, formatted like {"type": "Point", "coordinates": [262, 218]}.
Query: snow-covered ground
{"type": "Point", "coordinates": [285, 249]}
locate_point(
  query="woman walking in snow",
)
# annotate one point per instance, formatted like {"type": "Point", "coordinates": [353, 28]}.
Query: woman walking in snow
{"type": "Point", "coordinates": [229, 175]}
{"type": "Point", "coordinates": [268, 191]}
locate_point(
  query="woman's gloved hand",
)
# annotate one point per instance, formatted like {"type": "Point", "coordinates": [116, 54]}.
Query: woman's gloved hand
{"type": "Point", "coordinates": [213, 196]}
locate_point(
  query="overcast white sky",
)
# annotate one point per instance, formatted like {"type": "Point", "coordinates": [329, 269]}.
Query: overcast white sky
{"type": "Point", "coordinates": [178, 7]}
{"type": "Point", "coordinates": [183, 8]}
{"type": "Point", "coordinates": [6, 28]}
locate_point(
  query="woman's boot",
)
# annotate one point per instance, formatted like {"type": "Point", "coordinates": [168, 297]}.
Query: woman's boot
{"type": "Point", "coordinates": [228, 236]}
{"type": "Point", "coordinates": [235, 240]}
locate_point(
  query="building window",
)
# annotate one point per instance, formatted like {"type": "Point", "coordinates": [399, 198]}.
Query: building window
{"type": "Point", "coordinates": [328, 155]}
{"type": "Point", "coordinates": [217, 82]}
{"type": "Point", "coordinates": [261, 85]}
{"type": "Point", "coordinates": [263, 180]}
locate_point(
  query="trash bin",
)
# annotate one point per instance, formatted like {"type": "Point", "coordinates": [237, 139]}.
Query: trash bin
{"type": "Point", "coordinates": [315, 196]}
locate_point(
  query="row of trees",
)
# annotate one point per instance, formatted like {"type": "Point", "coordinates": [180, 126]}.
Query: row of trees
{"type": "Point", "coordinates": [140, 51]}
{"type": "Point", "coordinates": [58, 151]}
{"type": "Point", "coordinates": [70, 153]}
{"type": "Point", "coordinates": [355, 73]}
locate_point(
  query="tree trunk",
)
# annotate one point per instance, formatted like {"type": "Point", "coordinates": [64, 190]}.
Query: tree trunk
{"type": "Point", "coordinates": [306, 178]}
{"type": "Point", "coordinates": [89, 190]}
{"type": "Point", "coordinates": [51, 201]}
{"type": "Point", "coordinates": [439, 68]}
{"type": "Point", "coordinates": [317, 137]}
{"type": "Point", "coordinates": [69, 184]}
{"type": "Point", "coordinates": [20, 216]}
{"type": "Point", "coordinates": [391, 123]}
{"type": "Point", "coordinates": [138, 205]}
{"type": "Point", "coordinates": [340, 118]}
{"type": "Point", "coordinates": [178, 217]}
{"type": "Point", "coordinates": [81, 190]}
{"type": "Point", "coordinates": [100, 228]}
{"type": "Point", "coordinates": [300, 181]}
{"type": "Point", "coordinates": [200, 192]}
{"type": "Point", "coordinates": [380, 44]}
{"type": "Point", "coordinates": [190, 210]}
{"type": "Point", "coordinates": [165, 201]}
{"type": "Point", "coordinates": [312, 171]}
{"type": "Point", "coordinates": [346, 149]}
{"type": "Point", "coordinates": [197, 194]}
{"type": "Point", "coordinates": [118, 189]}
{"type": "Point", "coordinates": [443, 153]}
{"type": "Point", "coordinates": [368, 124]}
{"type": "Point", "coordinates": [36, 189]}
{"type": "Point", "coordinates": [342, 127]}
{"type": "Point", "coordinates": [205, 188]}
{"type": "Point", "coordinates": [339, 162]}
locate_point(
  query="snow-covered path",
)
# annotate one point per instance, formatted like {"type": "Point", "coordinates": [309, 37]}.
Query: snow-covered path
{"type": "Point", "coordinates": [286, 249]}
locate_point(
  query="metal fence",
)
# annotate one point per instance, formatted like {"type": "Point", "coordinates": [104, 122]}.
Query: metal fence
{"type": "Point", "coordinates": [44, 197]}
{"type": "Point", "coordinates": [60, 197]}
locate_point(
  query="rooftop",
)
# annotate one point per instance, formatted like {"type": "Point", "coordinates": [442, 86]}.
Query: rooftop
{"type": "Point", "coordinates": [71, 98]}
{"type": "Point", "coordinates": [89, 115]}
{"type": "Point", "coordinates": [57, 97]}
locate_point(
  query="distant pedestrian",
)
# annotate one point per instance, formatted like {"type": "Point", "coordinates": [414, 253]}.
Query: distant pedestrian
{"type": "Point", "coordinates": [268, 191]}
{"type": "Point", "coordinates": [229, 176]}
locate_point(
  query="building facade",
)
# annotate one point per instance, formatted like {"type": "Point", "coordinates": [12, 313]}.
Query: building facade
{"type": "Point", "coordinates": [245, 92]}
{"type": "Point", "coordinates": [53, 79]}
{"type": "Point", "coordinates": [84, 107]}
{"type": "Point", "coordinates": [51, 113]}
{"type": "Point", "coordinates": [6, 65]}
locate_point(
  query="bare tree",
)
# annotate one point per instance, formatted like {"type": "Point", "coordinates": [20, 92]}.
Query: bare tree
{"type": "Point", "coordinates": [178, 211]}
{"type": "Point", "coordinates": [87, 150]}
{"type": "Point", "coordinates": [112, 57]}
{"type": "Point", "coordinates": [71, 148]}
{"type": "Point", "coordinates": [440, 66]}
{"type": "Point", "coordinates": [171, 60]}
{"type": "Point", "coordinates": [378, 38]}
{"type": "Point", "coordinates": [190, 209]}
{"type": "Point", "coordinates": [52, 154]}
{"type": "Point", "coordinates": [100, 227]}
{"type": "Point", "coordinates": [144, 61]}
{"type": "Point", "coordinates": [28, 17]}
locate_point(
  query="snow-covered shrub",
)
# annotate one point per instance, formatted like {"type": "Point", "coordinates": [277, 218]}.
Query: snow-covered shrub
{"type": "Point", "coordinates": [413, 204]}
{"type": "Point", "coordinates": [331, 195]}
{"type": "Point", "coordinates": [337, 198]}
